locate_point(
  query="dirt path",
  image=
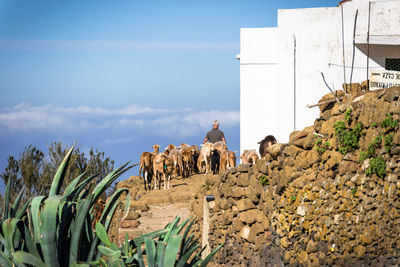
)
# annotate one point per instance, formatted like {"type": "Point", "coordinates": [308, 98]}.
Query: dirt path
{"type": "Point", "coordinates": [156, 208]}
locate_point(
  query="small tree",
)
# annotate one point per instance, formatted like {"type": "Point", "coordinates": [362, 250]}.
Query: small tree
{"type": "Point", "coordinates": [34, 171]}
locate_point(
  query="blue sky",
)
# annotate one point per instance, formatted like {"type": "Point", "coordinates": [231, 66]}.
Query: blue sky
{"type": "Point", "coordinates": [121, 76]}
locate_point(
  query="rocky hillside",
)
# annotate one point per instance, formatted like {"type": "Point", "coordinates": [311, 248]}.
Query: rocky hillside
{"type": "Point", "coordinates": [328, 197]}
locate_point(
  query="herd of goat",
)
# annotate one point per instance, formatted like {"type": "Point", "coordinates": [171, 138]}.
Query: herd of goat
{"type": "Point", "coordinates": [186, 160]}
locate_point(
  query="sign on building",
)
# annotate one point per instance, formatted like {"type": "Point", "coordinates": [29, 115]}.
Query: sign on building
{"type": "Point", "coordinates": [380, 79]}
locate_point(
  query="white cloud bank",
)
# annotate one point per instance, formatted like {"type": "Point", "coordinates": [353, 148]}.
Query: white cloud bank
{"type": "Point", "coordinates": [128, 120]}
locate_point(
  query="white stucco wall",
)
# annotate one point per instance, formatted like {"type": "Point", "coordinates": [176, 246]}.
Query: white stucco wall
{"type": "Point", "coordinates": [267, 63]}
{"type": "Point", "coordinates": [258, 71]}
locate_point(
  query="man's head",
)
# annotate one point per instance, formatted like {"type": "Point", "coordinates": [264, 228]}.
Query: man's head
{"type": "Point", "coordinates": [215, 124]}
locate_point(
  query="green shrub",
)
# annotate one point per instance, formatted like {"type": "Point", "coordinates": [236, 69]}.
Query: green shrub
{"type": "Point", "coordinates": [348, 117]}
{"type": "Point", "coordinates": [264, 180]}
{"type": "Point", "coordinates": [321, 148]}
{"type": "Point", "coordinates": [348, 138]}
{"type": "Point", "coordinates": [388, 142]}
{"type": "Point", "coordinates": [377, 166]}
{"type": "Point", "coordinates": [389, 123]}
{"type": "Point", "coordinates": [371, 150]}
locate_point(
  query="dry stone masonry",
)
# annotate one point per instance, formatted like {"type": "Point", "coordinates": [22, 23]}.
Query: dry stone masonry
{"type": "Point", "coordinates": [331, 196]}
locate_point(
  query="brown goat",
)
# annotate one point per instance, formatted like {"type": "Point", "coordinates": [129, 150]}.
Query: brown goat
{"type": "Point", "coordinates": [249, 156]}
{"type": "Point", "coordinates": [187, 162]}
{"type": "Point", "coordinates": [227, 160]}
{"type": "Point", "coordinates": [146, 166]}
{"type": "Point", "coordinates": [176, 158]}
{"type": "Point", "coordinates": [162, 166]}
{"type": "Point", "coordinates": [168, 149]}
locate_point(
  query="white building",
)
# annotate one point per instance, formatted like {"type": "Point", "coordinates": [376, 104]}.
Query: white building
{"type": "Point", "coordinates": [280, 67]}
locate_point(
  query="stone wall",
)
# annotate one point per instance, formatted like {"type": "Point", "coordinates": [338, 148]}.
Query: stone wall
{"type": "Point", "coordinates": [319, 204]}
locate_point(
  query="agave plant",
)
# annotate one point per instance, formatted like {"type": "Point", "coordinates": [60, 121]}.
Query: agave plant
{"type": "Point", "coordinates": [162, 248]}
{"type": "Point", "coordinates": [55, 230]}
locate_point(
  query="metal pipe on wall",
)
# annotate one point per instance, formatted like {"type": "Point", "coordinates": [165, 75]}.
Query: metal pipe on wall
{"type": "Point", "coordinates": [294, 83]}
{"type": "Point", "coordinates": [354, 47]}
{"type": "Point", "coordinates": [343, 57]}
{"type": "Point", "coordinates": [369, 23]}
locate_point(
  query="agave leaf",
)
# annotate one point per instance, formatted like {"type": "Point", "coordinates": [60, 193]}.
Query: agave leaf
{"type": "Point", "coordinates": [85, 193]}
{"type": "Point", "coordinates": [48, 230]}
{"type": "Point", "coordinates": [103, 263]}
{"type": "Point", "coordinates": [211, 255]}
{"type": "Point", "coordinates": [139, 254]}
{"type": "Point", "coordinates": [110, 203]}
{"type": "Point", "coordinates": [80, 265]}
{"type": "Point", "coordinates": [59, 176]}
{"type": "Point", "coordinates": [172, 249]}
{"type": "Point", "coordinates": [127, 206]}
{"type": "Point", "coordinates": [23, 257]}
{"type": "Point", "coordinates": [126, 245]}
{"type": "Point", "coordinates": [193, 243]}
{"type": "Point", "coordinates": [66, 219]}
{"type": "Point", "coordinates": [9, 230]}
{"type": "Point", "coordinates": [83, 211]}
{"type": "Point", "coordinates": [35, 213]}
{"type": "Point", "coordinates": [4, 260]}
{"type": "Point", "coordinates": [102, 234]}
{"type": "Point", "coordinates": [116, 263]}
{"type": "Point", "coordinates": [23, 210]}
{"type": "Point", "coordinates": [71, 186]}
{"type": "Point", "coordinates": [2, 241]}
{"type": "Point", "coordinates": [180, 227]}
{"type": "Point", "coordinates": [94, 263]}
{"type": "Point", "coordinates": [139, 240]}
{"type": "Point", "coordinates": [7, 200]}
{"type": "Point", "coordinates": [30, 243]}
{"type": "Point", "coordinates": [184, 243]}
{"type": "Point", "coordinates": [188, 242]}
{"type": "Point", "coordinates": [184, 257]}
{"type": "Point", "coordinates": [171, 228]}
{"type": "Point", "coordinates": [160, 253]}
{"type": "Point", "coordinates": [150, 252]}
{"type": "Point", "coordinates": [196, 260]}
{"type": "Point", "coordinates": [77, 190]}
{"type": "Point", "coordinates": [108, 252]}
{"type": "Point", "coordinates": [14, 207]}
{"type": "Point", "coordinates": [108, 221]}
{"type": "Point", "coordinates": [109, 179]}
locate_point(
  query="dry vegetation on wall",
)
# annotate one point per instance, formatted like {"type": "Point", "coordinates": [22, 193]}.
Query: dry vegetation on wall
{"type": "Point", "coordinates": [330, 196]}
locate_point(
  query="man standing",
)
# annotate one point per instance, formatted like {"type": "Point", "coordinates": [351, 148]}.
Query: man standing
{"type": "Point", "coordinates": [213, 136]}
